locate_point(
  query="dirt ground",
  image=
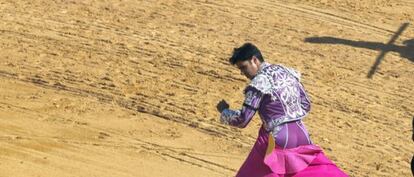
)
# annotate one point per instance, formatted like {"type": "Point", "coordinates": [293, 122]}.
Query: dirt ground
{"type": "Point", "coordinates": [129, 88]}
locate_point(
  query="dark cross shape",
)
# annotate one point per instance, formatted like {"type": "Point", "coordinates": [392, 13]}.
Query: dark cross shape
{"type": "Point", "coordinates": [383, 52]}
{"type": "Point", "coordinates": [406, 51]}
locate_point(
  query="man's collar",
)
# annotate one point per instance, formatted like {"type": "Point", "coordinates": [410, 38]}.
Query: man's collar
{"type": "Point", "coordinates": [263, 65]}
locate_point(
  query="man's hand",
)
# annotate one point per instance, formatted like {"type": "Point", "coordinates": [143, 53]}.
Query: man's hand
{"type": "Point", "coordinates": [222, 105]}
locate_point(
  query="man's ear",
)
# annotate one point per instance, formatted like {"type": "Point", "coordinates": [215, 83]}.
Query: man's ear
{"type": "Point", "coordinates": [255, 60]}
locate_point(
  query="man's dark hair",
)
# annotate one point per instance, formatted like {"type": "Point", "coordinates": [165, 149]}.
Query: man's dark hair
{"type": "Point", "coordinates": [245, 52]}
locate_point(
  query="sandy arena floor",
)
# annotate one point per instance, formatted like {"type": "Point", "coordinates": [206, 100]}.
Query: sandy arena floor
{"type": "Point", "coordinates": [129, 88]}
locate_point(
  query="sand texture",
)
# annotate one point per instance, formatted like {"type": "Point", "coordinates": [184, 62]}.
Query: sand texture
{"type": "Point", "coordinates": [127, 88]}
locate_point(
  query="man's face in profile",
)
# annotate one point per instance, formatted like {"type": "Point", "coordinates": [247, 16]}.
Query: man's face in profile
{"type": "Point", "coordinates": [249, 68]}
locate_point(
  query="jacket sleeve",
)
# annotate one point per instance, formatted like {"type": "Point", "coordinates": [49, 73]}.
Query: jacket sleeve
{"type": "Point", "coordinates": [240, 118]}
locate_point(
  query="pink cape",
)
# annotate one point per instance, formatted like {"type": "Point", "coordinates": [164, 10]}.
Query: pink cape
{"type": "Point", "coordinates": [302, 161]}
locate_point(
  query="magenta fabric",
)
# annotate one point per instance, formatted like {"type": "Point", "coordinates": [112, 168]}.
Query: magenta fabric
{"type": "Point", "coordinates": [293, 160]}
{"type": "Point", "coordinates": [254, 166]}
{"type": "Point", "coordinates": [321, 166]}
{"type": "Point", "coordinates": [302, 161]}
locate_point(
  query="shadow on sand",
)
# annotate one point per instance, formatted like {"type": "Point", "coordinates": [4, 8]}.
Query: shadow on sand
{"type": "Point", "coordinates": [406, 50]}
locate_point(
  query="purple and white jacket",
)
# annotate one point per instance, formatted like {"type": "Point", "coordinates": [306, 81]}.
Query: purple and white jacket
{"type": "Point", "coordinates": [279, 97]}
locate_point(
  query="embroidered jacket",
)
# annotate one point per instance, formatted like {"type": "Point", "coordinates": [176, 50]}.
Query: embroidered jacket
{"type": "Point", "coordinates": [277, 94]}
